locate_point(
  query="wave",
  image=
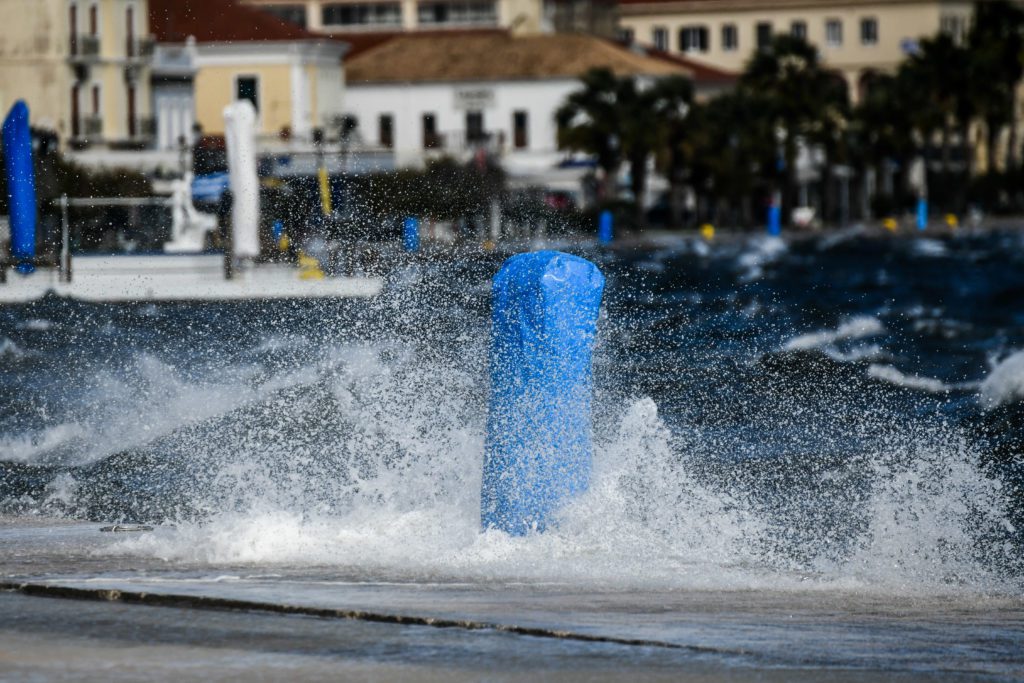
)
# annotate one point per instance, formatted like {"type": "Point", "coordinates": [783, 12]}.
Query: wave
{"type": "Point", "coordinates": [1005, 383]}
{"type": "Point", "coordinates": [858, 327]}
{"type": "Point", "coordinates": [888, 373]}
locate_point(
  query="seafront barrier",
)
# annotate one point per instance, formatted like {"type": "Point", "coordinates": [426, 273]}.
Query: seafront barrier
{"type": "Point", "coordinates": [538, 452]}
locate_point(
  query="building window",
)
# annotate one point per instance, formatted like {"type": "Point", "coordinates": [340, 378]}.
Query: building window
{"type": "Point", "coordinates": [76, 116]}
{"type": "Point", "coordinates": [475, 126]}
{"type": "Point", "coordinates": [386, 124]}
{"type": "Point", "coordinates": [693, 39]}
{"type": "Point", "coordinates": [248, 88]}
{"type": "Point", "coordinates": [293, 14]}
{"type": "Point", "coordinates": [625, 35]}
{"type": "Point", "coordinates": [659, 36]}
{"type": "Point", "coordinates": [129, 27]}
{"type": "Point", "coordinates": [73, 26]}
{"type": "Point", "coordinates": [730, 38]}
{"type": "Point", "coordinates": [869, 31]}
{"type": "Point", "coordinates": [798, 29]}
{"type": "Point", "coordinates": [764, 35]}
{"type": "Point", "coordinates": [376, 14]}
{"type": "Point", "coordinates": [132, 122]}
{"type": "Point", "coordinates": [953, 25]}
{"type": "Point", "coordinates": [430, 137]}
{"type": "Point", "coordinates": [520, 129]}
{"type": "Point", "coordinates": [459, 13]}
{"type": "Point", "coordinates": [833, 32]}
{"type": "Point", "coordinates": [95, 100]}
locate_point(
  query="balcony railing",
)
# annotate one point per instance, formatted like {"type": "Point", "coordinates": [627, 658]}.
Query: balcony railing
{"type": "Point", "coordinates": [85, 47]}
{"type": "Point", "coordinates": [92, 126]}
{"type": "Point", "coordinates": [145, 128]}
{"type": "Point", "coordinates": [140, 48]}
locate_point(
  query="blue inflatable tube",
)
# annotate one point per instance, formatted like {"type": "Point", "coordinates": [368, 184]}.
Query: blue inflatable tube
{"type": "Point", "coordinates": [21, 186]}
{"type": "Point", "coordinates": [538, 452]}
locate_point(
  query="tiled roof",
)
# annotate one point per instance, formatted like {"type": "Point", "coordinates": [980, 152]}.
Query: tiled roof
{"type": "Point", "coordinates": [218, 21]}
{"type": "Point", "coordinates": [702, 73]}
{"type": "Point", "coordinates": [414, 57]}
{"type": "Point", "coordinates": [361, 41]}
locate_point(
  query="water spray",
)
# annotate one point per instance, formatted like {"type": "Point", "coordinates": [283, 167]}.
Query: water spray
{"type": "Point", "coordinates": [538, 453]}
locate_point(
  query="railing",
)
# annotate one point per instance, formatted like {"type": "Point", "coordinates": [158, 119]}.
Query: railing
{"type": "Point", "coordinates": [85, 47]}
{"type": "Point", "coordinates": [140, 48]}
{"type": "Point", "coordinates": [173, 59]}
{"type": "Point", "coordinates": [92, 126]}
{"type": "Point", "coordinates": [145, 128]}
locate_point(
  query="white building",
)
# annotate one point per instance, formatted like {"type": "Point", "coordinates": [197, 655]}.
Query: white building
{"type": "Point", "coordinates": [421, 96]}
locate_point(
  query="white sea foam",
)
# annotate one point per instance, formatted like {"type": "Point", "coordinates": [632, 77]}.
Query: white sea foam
{"type": "Point", "coordinates": [760, 252]}
{"type": "Point", "coordinates": [11, 351]}
{"type": "Point", "coordinates": [28, 447]}
{"type": "Point", "coordinates": [858, 327]}
{"type": "Point", "coordinates": [888, 373]}
{"type": "Point", "coordinates": [36, 325]}
{"type": "Point", "coordinates": [929, 248]}
{"type": "Point", "coordinates": [1005, 382]}
{"type": "Point", "coordinates": [646, 521]}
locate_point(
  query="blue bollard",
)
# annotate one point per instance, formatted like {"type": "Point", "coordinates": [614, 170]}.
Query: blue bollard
{"type": "Point", "coordinates": [538, 450]}
{"type": "Point", "coordinates": [922, 213]}
{"type": "Point", "coordinates": [604, 227]}
{"type": "Point", "coordinates": [21, 186]}
{"type": "Point", "coordinates": [411, 234]}
{"type": "Point", "coordinates": [774, 220]}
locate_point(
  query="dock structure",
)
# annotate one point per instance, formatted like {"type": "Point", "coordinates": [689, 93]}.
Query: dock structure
{"type": "Point", "coordinates": [179, 277]}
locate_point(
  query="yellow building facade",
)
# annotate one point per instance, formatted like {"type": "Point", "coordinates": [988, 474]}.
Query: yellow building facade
{"type": "Point", "coordinates": [82, 66]}
{"type": "Point", "coordinates": [296, 87]}
{"type": "Point", "coordinates": [340, 16]}
{"type": "Point", "coordinates": [852, 36]}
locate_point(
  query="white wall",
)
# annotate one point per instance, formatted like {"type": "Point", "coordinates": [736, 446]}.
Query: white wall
{"type": "Point", "coordinates": [408, 102]}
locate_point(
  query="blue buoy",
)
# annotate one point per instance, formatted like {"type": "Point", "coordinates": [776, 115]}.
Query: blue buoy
{"type": "Point", "coordinates": [922, 213]}
{"type": "Point", "coordinates": [774, 219]}
{"type": "Point", "coordinates": [411, 234]}
{"type": "Point", "coordinates": [538, 450]}
{"type": "Point", "coordinates": [604, 227]}
{"type": "Point", "coordinates": [21, 186]}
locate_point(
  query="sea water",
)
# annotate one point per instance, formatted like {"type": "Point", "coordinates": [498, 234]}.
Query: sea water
{"type": "Point", "coordinates": [826, 414]}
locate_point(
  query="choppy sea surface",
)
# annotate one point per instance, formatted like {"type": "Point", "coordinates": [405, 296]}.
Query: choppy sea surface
{"type": "Point", "coordinates": [843, 412]}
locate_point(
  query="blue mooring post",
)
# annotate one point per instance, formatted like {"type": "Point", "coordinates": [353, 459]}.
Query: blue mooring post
{"type": "Point", "coordinates": [922, 213]}
{"type": "Point", "coordinates": [605, 223]}
{"type": "Point", "coordinates": [411, 234]}
{"type": "Point", "coordinates": [21, 186]}
{"type": "Point", "coordinates": [775, 216]}
{"type": "Point", "coordinates": [538, 451]}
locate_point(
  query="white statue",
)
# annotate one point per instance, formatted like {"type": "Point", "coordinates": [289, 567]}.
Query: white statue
{"type": "Point", "coordinates": [189, 227]}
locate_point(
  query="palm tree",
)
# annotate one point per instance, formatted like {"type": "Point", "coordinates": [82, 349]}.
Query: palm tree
{"type": "Point", "coordinates": [996, 67]}
{"type": "Point", "coordinates": [938, 77]}
{"type": "Point", "coordinates": [590, 122]}
{"type": "Point", "coordinates": [801, 94]}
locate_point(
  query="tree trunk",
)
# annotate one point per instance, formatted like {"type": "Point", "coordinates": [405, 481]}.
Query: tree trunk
{"type": "Point", "coordinates": [947, 134]}
{"type": "Point", "coordinates": [1011, 150]}
{"type": "Point", "coordinates": [638, 183]}
{"type": "Point", "coordinates": [992, 128]}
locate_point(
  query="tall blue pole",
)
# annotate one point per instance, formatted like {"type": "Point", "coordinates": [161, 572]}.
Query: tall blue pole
{"type": "Point", "coordinates": [21, 186]}
{"type": "Point", "coordinates": [604, 227]}
{"type": "Point", "coordinates": [775, 216]}
{"type": "Point", "coordinates": [538, 450]}
{"type": "Point", "coordinates": [922, 213]}
{"type": "Point", "coordinates": [411, 234]}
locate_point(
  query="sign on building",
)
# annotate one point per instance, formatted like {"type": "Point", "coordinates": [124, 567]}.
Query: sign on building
{"type": "Point", "coordinates": [474, 99]}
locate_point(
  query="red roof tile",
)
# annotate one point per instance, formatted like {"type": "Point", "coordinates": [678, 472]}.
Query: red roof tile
{"type": "Point", "coordinates": [361, 41]}
{"type": "Point", "coordinates": [218, 21]}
